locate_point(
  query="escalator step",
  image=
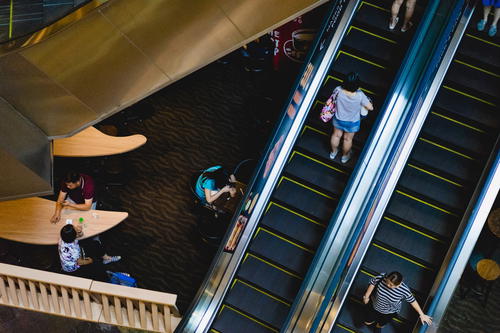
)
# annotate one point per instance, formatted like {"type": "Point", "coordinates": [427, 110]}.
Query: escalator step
{"type": "Point", "coordinates": [480, 49]}
{"type": "Point", "coordinates": [372, 75]}
{"type": "Point", "coordinates": [317, 172]}
{"type": "Point", "coordinates": [448, 192]}
{"type": "Point", "coordinates": [281, 251]}
{"type": "Point", "coordinates": [370, 43]}
{"type": "Point", "coordinates": [432, 218]}
{"type": "Point", "coordinates": [456, 135]}
{"type": "Point", "coordinates": [433, 155]}
{"type": "Point", "coordinates": [269, 277]}
{"type": "Point", "coordinates": [231, 321]}
{"type": "Point", "coordinates": [462, 73]}
{"type": "Point", "coordinates": [376, 14]}
{"type": "Point", "coordinates": [305, 198]}
{"type": "Point", "coordinates": [319, 144]}
{"type": "Point", "coordinates": [254, 302]}
{"type": "Point", "coordinates": [415, 276]}
{"type": "Point", "coordinates": [470, 107]}
{"type": "Point", "coordinates": [425, 247]}
{"type": "Point", "coordinates": [293, 225]}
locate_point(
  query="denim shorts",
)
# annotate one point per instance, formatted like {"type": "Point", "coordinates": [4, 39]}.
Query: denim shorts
{"type": "Point", "coordinates": [346, 126]}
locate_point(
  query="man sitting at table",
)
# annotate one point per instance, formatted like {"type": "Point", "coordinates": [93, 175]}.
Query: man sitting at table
{"type": "Point", "coordinates": [77, 192]}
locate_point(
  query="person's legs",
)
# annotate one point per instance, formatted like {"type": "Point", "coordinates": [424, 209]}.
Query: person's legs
{"type": "Point", "coordinates": [371, 315]}
{"type": "Point", "coordinates": [482, 23]}
{"type": "Point", "coordinates": [410, 8]}
{"type": "Point", "coordinates": [493, 28]}
{"type": "Point", "coordinates": [396, 5]}
{"type": "Point", "coordinates": [383, 319]}
{"type": "Point", "coordinates": [347, 143]}
{"type": "Point", "coordinates": [335, 142]}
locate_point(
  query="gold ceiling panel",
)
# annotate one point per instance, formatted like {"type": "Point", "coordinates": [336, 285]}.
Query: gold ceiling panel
{"type": "Point", "coordinates": [96, 63]}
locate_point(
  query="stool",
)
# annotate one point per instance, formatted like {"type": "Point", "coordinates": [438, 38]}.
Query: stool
{"type": "Point", "coordinates": [488, 272]}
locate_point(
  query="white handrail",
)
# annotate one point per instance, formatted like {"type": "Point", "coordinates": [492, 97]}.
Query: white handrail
{"type": "Point", "coordinates": [85, 299]}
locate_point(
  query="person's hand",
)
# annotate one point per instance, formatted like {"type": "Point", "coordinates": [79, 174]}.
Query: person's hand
{"type": "Point", "coordinates": [425, 319]}
{"type": "Point", "coordinates": [366, 299]}
{"type": "Point", "coordinates": [66, 203]}
{"type": "Point", "coordinates": [226, 188]}
{"type": "Point", "coordinates": [55, 218]}
{"type": "Point", "coordinates": [79, 230]}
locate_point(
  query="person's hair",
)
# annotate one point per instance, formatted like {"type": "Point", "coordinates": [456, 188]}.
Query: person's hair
{"type": "Point", "coordinates": [395, 277]}
{"type": "Point", "coordinates": [351, 82]}
{"type": "Point", "coordinates": [68, 233]}
{"type": "Point", "coordinates": [72, 177]}
{"type": "Point", "coordinates": [220, 176]}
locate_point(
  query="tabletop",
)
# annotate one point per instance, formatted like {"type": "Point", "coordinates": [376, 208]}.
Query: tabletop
{"type": "Point", "coordinates": [28, 221]}
{"type": "Point", "coordinates": [494, 222]}
{"type": "Point", "coordinates": [92, 142]}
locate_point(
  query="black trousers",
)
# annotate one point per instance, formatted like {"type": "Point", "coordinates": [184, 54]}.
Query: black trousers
{"type": "Point", "coordinates": [95, 271]}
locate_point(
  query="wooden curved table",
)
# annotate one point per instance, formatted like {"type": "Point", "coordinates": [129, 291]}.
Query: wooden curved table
{"type": "Point", "coordinates": [28, 221]}
{"type": "Point", "coordinates": [494, 222]}
{"type": "Point", "coordinates": [91, 142]}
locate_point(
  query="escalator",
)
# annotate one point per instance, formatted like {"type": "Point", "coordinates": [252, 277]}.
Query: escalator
{"type": "Point", "coordinates": [289, 232]}
{"type": "Point", "coordinates": [437, 182]}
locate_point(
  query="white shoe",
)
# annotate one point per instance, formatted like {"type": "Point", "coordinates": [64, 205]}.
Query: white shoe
{"type": "Point", "coordinates": [333, 154]}
{"type": "Point", "coordinates": [346, 158]}
{"type": "Point", "coordinates": [393, 23]}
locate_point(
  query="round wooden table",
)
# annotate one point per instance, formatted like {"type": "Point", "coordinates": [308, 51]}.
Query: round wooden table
{"type": "Point", "coordinates": [494, 222]}
{"type": "Point", "coordinates": [488, 269]}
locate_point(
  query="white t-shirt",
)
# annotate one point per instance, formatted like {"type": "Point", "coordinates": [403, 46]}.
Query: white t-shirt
{"type": "Point", "coordinates": [349, 107]}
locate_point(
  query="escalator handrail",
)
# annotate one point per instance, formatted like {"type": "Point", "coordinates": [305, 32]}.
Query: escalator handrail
{"type": "Point", "coordinates": [202, 311]}
{"type": "Point", "coordinates": [475, 218]}
{"type": "Point", "coordinates": [336, 278]}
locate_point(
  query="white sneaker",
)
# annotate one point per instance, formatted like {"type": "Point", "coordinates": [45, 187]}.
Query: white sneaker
{"type": "Point", "coordinates": [333, 154]}
{"type": "Point", "coordinates": [393, 23]}
{"type": "Point", "coordinates": [346, 158]}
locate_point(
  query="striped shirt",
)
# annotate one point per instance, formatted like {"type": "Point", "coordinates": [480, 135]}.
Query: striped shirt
{"type": "Point", "coordinates": [388, 300]}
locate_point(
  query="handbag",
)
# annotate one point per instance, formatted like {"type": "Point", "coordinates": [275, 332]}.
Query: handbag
{"type": "Point", "coordinates": [330, 108]}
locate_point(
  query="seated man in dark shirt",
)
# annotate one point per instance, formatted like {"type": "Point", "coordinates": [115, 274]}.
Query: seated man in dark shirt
{"type": "Point", "coordinates": [77, 192]}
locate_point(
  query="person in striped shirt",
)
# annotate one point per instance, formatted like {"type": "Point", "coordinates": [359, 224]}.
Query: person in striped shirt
{"type": "Point", "coordinates": [389, 293]}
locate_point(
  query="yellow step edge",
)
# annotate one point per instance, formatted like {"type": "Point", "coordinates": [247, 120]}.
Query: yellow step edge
{"type": "Point", "coordinates": [469, 95]}
{"type": "Point", "coordinates": [213, 330]}
{"type": "Point", "coordinates": [307, 187]}
{"type": "Point", "coordinates": [483, 40]}
{"type": "Point", "coordinates": [476, 68]}
{"type": "Point", "coordinates": [434, 175]}
{"type": "Point", "coordinates": [458, 122]}
{"type": "Point", "coordinates": [328, 77]}
{"type": "Point", "coordinates": [272, 203]}
{"type": "Point", "coordinates": [345, 328]}
{"type": "Point", "coordinates": [373, 5]}
{"type": "Point", "coordinates": [319, 162]}
{"type": "Point", "coordinates": [307, 127]}
{"type": "Point", "coordinates": [262, 292]}
{"type": "Point", "coordinates": [414, 230]}
{"type": "Point", "coordinates": [360, 59]}
{"type": "Point", "coordinates": [274, 266]}
{"type": "Point", "coordinates": [426, 203]}
{"type": "Point", "coordinates": [248, 317]}
{"type": "Point", "coordinates": [401, 256]}
{"type": "Point", "coordinates": [372, 34]}
{"type": "Point", "coordinates": [286, 240]}
{"type": "Point", "coordinates": [366, 273]}
{"type": "Point", "coordinates": [446, 148]}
